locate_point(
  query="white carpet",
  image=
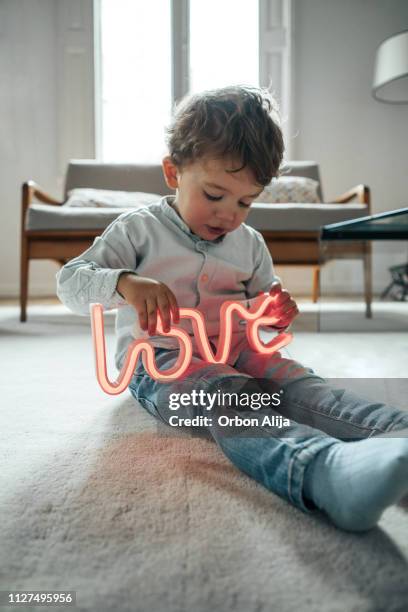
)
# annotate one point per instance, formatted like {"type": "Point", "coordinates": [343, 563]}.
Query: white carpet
{"type": "Point", "coordinates": [94, 497]}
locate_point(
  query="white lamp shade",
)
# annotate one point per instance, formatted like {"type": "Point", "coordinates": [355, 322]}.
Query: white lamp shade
{"type": "Point", "coordinates": [391, 70]}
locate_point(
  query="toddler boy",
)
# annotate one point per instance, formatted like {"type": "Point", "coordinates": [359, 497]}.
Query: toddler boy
{"type": "Point", "coordinates": [194, 250]}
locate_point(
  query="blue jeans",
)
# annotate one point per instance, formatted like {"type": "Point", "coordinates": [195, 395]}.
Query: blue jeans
{"type": "Point", "coordinates": [276, 457]}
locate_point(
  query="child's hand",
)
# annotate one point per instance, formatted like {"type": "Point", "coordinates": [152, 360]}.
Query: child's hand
{"type": "Point", "coordinates": [284, 307]}
{"type": "Point", "coordinates": [147, 295]}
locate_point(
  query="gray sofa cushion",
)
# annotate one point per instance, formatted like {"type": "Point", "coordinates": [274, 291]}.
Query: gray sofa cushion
{"type": "Point", "coordinates": [301, 217]}
{"type": "Point", "coordinates": [274, 217]}
{"type": "Point", "coordinates": [124, 177]}
{"type": "Point", "coordinates": [47, 217]}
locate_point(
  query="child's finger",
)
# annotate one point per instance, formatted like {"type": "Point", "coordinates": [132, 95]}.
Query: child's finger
{"type": "Point", "coordinates": [276, 287]}
{"type": "Point", "coordinates": [287, 317]}
{"type": "Point", "coordinates": [151, 314]}
{"type": "Point", "coordinates": [293, 310]}
{"type": "Point", "coordinates": [174, 306]}
{"type": "Point", "coordinates": [142, 312]}
{"type": "Point", "coordinates": [164, 308]}
{"type": "Point", "coordinates": [285, 305]}
{"type": "Point", "coordinates": [282, 298]}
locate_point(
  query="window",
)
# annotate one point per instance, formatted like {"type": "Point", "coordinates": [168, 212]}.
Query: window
{"type": "Point", "coordinates": [224, 43]}
{"type": "Point", "coordinates": [214, 43]}
{"type": "Point", "coordinates": [135, 79]}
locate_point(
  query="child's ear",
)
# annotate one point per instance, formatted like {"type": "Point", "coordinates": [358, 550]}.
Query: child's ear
{"type": "Point", "coordinates": [170, 172]}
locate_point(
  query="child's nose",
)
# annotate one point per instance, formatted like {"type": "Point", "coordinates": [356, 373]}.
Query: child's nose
{"type": "Point", "coordinates": [225, 215]}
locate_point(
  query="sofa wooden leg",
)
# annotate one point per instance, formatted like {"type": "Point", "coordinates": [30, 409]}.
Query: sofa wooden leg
{"type": "Point", "coordinates": [316, 282]}
{"type": "Point", "coordinates": [24, 263]}
{"type": "Point", "coordinates": [368, 281]}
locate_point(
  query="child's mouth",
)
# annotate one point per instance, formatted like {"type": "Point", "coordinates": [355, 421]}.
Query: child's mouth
{"type": "Point", "coordinates": [217, 231]}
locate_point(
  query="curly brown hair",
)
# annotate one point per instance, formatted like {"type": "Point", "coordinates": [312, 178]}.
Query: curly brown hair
{"type": "Point", "coordinates": [238, 122]}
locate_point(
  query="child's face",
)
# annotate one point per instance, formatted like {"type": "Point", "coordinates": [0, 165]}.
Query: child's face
{"type": "Point", "coordinates": [211, 211]}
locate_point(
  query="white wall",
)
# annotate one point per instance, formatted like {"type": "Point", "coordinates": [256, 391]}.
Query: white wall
{"type": "Point", "coordinates": [353, 137]}
{"type": "Point", "coordinates": [46, 114]}
{"type": "Point", "coordinates": [28, 107]}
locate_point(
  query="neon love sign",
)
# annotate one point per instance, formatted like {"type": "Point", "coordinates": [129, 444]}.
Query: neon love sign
{"type": "Point", "coordinates": [254, 319]}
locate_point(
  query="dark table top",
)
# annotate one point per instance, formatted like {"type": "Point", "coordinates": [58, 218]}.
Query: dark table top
{"type": "Point", "coordinates": [391, 225]}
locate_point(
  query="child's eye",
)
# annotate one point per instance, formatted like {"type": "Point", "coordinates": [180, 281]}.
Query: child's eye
{"type": "Point", "coordinates": [212, 198]}
{"type": "Point", "coordinates": [216, 199]}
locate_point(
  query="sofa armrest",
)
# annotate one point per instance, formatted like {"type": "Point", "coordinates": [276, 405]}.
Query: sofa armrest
{"type": "Point", "coordinates": [31, 190]}
{"type": "Point", "coordinates": [361, 192]}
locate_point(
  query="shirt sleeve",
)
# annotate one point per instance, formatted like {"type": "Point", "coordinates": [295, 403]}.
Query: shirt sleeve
{"type": "Point", "coordinates": [264, 274]}
{"type": "Point", "coordinates": [93, 276]}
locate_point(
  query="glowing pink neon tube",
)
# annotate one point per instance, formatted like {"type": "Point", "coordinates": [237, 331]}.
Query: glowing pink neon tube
{"type": "Point", "coordinates": [143, 346]}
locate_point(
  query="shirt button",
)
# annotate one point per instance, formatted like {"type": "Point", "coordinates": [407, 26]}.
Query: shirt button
{"type": "Point", "coordinates": [204, 278]}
